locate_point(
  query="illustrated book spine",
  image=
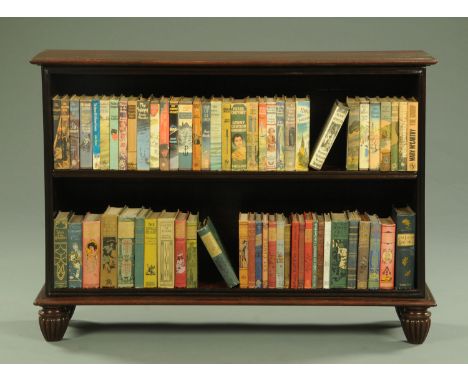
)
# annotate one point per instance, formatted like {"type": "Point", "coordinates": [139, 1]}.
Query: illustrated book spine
{"type": "Point", "coordinates": [315, 252]}
{"type": "Point", "coordinates": [302, 134]}
{"type": "Point", "coordinates": [86, 137]}
{"type": "Point", "coordinates": [185, 132]}
{"type": "Point", "coordinates": [405, 221]}
{"type": "Point", "coordinates": [96, 113]}
{"type": "Point", "coordinates": [265, 250]}
{"type": "Point", "coordinates": [215, 135]}
{"type": "Point", "coordinates": [352, 253]}
{"type": "Point", "coordinates": [290, 135]}
{"type": "Point", "coordinates": [402, 134]}
{"type": "Point", "coordinates": [164, 134]}
{"type": "Point", "coordinates": [173, 134]}
{"type": "Point", "coordinates": [394, 137]}
{"type": "Point", "coordinates": [61, 133]}
{"type": "Point", "coordinates": [226, 135]}
{"type": "Point", "coordinates": [143, 137]}
{"type": "Point", "coordinates": [75, 254]}
{"type": "Point", "coordinates": [75, 133]}
{"type": "Point", "coordinates": [238, 136]}
{"type": "Point", "coordinates": [326, 252]}
{"type": "Point", "coordinates": [279, 252]}
{"type": "Point", "coordinates": [374, 135]}
{"type": "Point", "coordinates": [271, 252]}
{"type": "Point", "coordinates": [132, 133]}
{"type": "Point", "coordinates": [197, 135]}
{"type": "Point", "coordinates": [301, 256]}
{"type": "Point", "coordinates": [154, 133]}
{"type": "Point", "coordinates": [280, 106]}
{"type": "Point", "coordinates": [109, 257]}
{"type": "Point", "coordinates": [387, 254]}
{"type": "Point", "coordinates": [60, 250]}
{"type": "Point", "coordinates": [308, 251]}
{"type": "Point", "coordinates": [126, 254]}
{"type": "Point", "coordinates": [150, 277]}
{"type": "Point", "coordinates": [91, 253]}
{"type": "Point", "coordinates": [180, 248]}
{"type": "Point", "coordinates": [139, 251]}
{"type": "Point", "coordinates": [104, 135]}
{"type": "Point", "coordinates": [206, 140]}
{"type": "Point", "coordinates": [294, 252]}
{"type": "Point", "coordinates": [287, 254]}
{"type": "Point", "coordinates": [321, 229]}
{"type": "Point", "coordinates": [192, 254]}
{"type": "Point", "coordinates": [374, 254]}
{"type": "Point", "coordinates": [166, 252]}
{"type": "Point", "coordinates": [58, 141]}
{"type": "Point", "coordinates": [352, 147]}
{"type": "Point", "coordinates": [123, 134]}
{"type": "Point", "coordinates": [339, 253]}
{"type": "Point", "coordinates": [114, 133]}
{"type": "Point", "coordinates": [412, 139]}
{"type": "Point", "coordinates": [252, 135]}
{"type": "Point", "coordinates": [251, 251]}
{"type": "Point", "coordinates": [262, 134]}
{"type": "Point", "coordinates": [385, 134]}
{"type": "Point", "coordinates": [271, 135]}
{"type": "Point", "coordinates": [364, 114]}
{"type": "Point", "coordinates": [363, 253]}
{"type": "Point", "coordinates": [243, 251]}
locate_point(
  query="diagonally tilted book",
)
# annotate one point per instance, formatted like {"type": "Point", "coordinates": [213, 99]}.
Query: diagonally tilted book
{"type": "Point", "coordinates": [215, 248]}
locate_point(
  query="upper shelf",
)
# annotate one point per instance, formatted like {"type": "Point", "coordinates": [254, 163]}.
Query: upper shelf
{"type": "Point", "coordinates": [262, 59]}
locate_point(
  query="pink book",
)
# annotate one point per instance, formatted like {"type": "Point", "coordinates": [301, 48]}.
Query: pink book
{"type": "Point", "coordinates": [387, 254]}
{"type": "Point", "coordinates": [91, 250]}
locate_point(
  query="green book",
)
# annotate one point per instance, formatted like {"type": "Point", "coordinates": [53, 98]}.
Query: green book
{"type": "Point", "coordinates": [215, 248]}
{"type": "Point", "coordinates": [339, 250]}
{"type": "Point", "coordinates": [60, 249]}
{"type": "Point", "coordinates": [192, 256]}
{"type": "Point", "coordinates": [354, 220]}
{"type": "Point", "coordinates": [405, 220]}
{"type": "Point", "coordinates": [140, 247]}
{"type": "Point", "coordinates": [74, 247]}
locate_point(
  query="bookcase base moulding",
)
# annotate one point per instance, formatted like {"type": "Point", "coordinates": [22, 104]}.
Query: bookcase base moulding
{"type": "Point", "coordinates": [324, 77]}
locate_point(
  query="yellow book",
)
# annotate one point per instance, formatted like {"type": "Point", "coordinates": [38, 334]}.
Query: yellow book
{"type": "Point", "coordinates": [165, 240]}
{"type": "Point", "coordinates": [104, 125]}
{"type": "Point", "coordinates": [252, 134]}
{"type": "Point", "coordinates": [150, 277]}
{"type": "Point", "coordinates": [109, 236]}
{"type": "Point", "coordinates": [132, 133]}
{"type": "Point", "coordinates": [243, 250]}
{"type": "Point", "coordinates": [226, 134]}
{"type": "Point", "coordinates": [412, 135]}
{"type": "Point", "coordinates": [402, 134]}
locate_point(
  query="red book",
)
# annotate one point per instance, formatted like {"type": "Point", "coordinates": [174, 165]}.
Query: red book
{"type": "Point", "coordinates": [321, 228]}
{"type": "Point", "coordinates": [271, 251]}
{"type": "Point", "coordinates": [308, 249]}
{"type": "Point", "coordinates": [294, 251]}
{"type": "Point", "coordinates": [301, 274]}
{"type": "Point", "coordinates": [251, 251]}
{"type": "Point", "coordinates": [164, 134]}
{"type": "Point", "coordinates": [180, 262]}
{"type": "Point", "coordinates": [387, 254]}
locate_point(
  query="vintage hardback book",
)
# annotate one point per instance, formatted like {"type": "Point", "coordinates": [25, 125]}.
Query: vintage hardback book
{"type": "Point", "coordinates": [326, 250]}
{"type": "Point", "coordinates": [321, 229]}
{"type": "Point", "coordinates": [60, 145]}
{"type": "Point", "coordinates": [75, 132]}
{"type": "Point", "coordinates": [308, 249]}
{"type": "Point", "coordinates": [314, 250]}
{"type": "Point", "coordinates": [402, 134]}
{"type": "Point", "coordinates": [184, 132]}
{"type": "Point", "coordinates": [154, 132]}
{"type": "Point", "coordinates": [252, 134]}
{"type": "Point", "coordinates": [104, 136]}
{"type": "Point", "coordinates": [287, 253]}
{"type": "Point", "coordinates": [197, 134]}
{"type": "Point", "coordinates": [385, 133]}
{"type": "Point", "coordinates": [294, 251]}
{"type": "Point", "coordinates": [226, 134]}
{"type": "Point", "coordinates": [363, 252]}
{"type": "Point", "coordinates": [132, 133]}
{"type": "Point", "coordinates": [387, 254]}
{"type": "Point", "coordinates": [272, 251]}
{"type": "Point", "coordinates": [86, 136]}
{"type": "Point", "coordinates": [140, 247]}
{"type": "Point", "coordinates": [173, 134]}
{"type": "Point", "coordinates": [328, 134]}
{"type": "Point", "coordinates": [60, 249]}
{"type": "Point", "coordinates": [394, 135]}
{"type": "Point", "coordinates": [405, 220]}
{"type": "Point", "coordinates": [352, 147]}
{"type": "Point", "coordinates": [243, 250]}
{"type": "Point", "coordinates": [215, 133]}
{"type": "Point", "coordinates": [123, 133]}
{"type": "Point", "coordinates": [301, 256]}
{"type": "Point", "coordinates": [354, 219]}
{"type": "Point", "coordinates": [238, 135]}
{"type": "Point", "coordinates": [262, 133]}
{"type": "Point", "coordinates": [96, 129]}
{"type": "Point", "coordinates": [150, 277]}
{"type": "Point", "coordinates": [280, 106]}
{"type": "Point", "coordinates": [374, 134]}
{"type": "Point", "coordinates": [180, 247]}
{"type": "Point", "coordinates": [143, 135]}
{"type": "Point", "coordinates": [412, 138]}
{"type": "Point", "coordinates": [163, 134]}
{"type": "Point", "coordinates": [114, 133]}
{"type": "Point", "coordinates": [91, 250]}
{"type": "Point", "coordinates": [265, 250]}
{"type": "Point", "coordinates": [290, 135]}
{"type": "Point", "coordinates": [166, 222]}
{"type": "Point", "coordinates": [126, 248]}
{"type": "Point", "coordinates": [271, 134]}
{"type": "Point", "coordinates": [302, 133]}
{"type": "Point", "coordinates": [339, 250]}
{"type": "Point", "coordinates": [192, 254]}
{"type": "Point", "coordinates": [251, 239]}
{"type": "Point", "coordinates": [109, 237]}
{"type": "Point", "coordinates": [206, 139]}
{"type": "Point", "coordinates": [64, 132]}
{"type": "Point", "coordinates": [280, 222]}
{"type": "Point", "coordinates": [364, 122]}
{"type": "Point", "coordinates": [75, 252]}
{"type": "Point", "coordinates": [215, 248]}
{"type": "Point", "coordinates": [374, 253]}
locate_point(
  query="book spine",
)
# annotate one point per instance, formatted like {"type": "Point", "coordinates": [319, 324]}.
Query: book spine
{"type": "Point", "coordinates": [387, 257]}
{"type": "Point", "coordinates": [243, 254]}
{"type": "Point", "coordinates": [197, 135]}
{"type": "Point", "coordinates": [308, 254]}
{"type": "Point", "coordinates": [280, 105]}
{"type": "Point", "coordinates": [58, 141]}
{"type": "Point", "coordinates": [294, 254]}
{"type": "Point", "coordinates": [143, 137]}
{"type": "Point", "coordinates": [114, 134]}
{"type": "Point", "coordinates": [184, 138]}
{"type": "Point", "coordinates": [166, 253]}
{"type": "Point", "coordinates": [251, 253]}
{"type": "Point", "coordinates": [123, 135]}
{"type": "Point", "coordinates": [326, 255]}
{"type": "Point", "coordinates": [192, 256]}
{"type": "Point", "coordinates": [374, 136]}
{"type": "Point", "coordinates": [154, 134]}
{"type": "Point", "coordinates": [86, 152]}
{"type": "Point", "coordinates": [405, 251]}
{"type": "Point", "coordinates": [339, 254]}
{"type": "Point", "coordinates": [139, 252]}
{"type": "Point", "coordinates": [265, 254]}
{"type": "Point", "coordinates": [181, 254]}
{"type": "Point", "coordinates": [385, 135]}
{"type": "Point", "coordinates": [75, 251]}
{"type": "Point", "coordinates": [252, 136]}
{"type": "Point", "coordinates": [109, 258]}
{"type": "Point", "coordinates": [95, 109]}
{"type": "Point", "coordinates": [215, 135]}
{"type": "Point", "coordinates": [91, 253]}
{"type": "Point", "coordinates": [412, 139]}
{"type": "Point", "coordinates": [206, 140]}
{"type": "Point", "coordinates": [258, 254]}
{"type": "Point", "coordinates": [126, 254]}
{"type": "Point", "coordinates": [271, 136]}
{"type": "Point", "coordinates": [364, 136]}
{"type": "Point", "coordinates": [352, 147]}
{"type": "Point", "coordinates": [315, 254]}
{"type": "Point", "coordinates": [301, 257]}
{"type": "Point", "coordinates": [150, 277]}
{"type": "Point", "coordinates": [374, 256]}
{"type": "Point", "coordinates": [402, 135]}
{"type": "Point", "coordinates": [394, 137]}
{"type": "Point", "coordinates": [352, 253]}
{"type": "Point", "coordinates": [262, 135]}
{"type": "Point", "coordinates": [238, 136]}
{"type": "Point", "coordinates": [287, 255]}
{"type": "Point", "coordinates": [60, 253]}
{"type": "Point", "coordinates": [290, 136]}
{"type": "Point", "coordinates": [271, 254]}
{"type": "Point", "coordinates": [131, 135]}
{"type": "Point", "coordinates": [302, 135]}
{"type": "Point", "coordinates": [363, 255]}
{"type": "Point", "coordinates": [279, 254]}
{"type": "Point", "coordinates": [75, 134]}
{"type": "Point", "coordinates": [104, 135]}
{"type": "Point", "coordinates": [164, 135]}
{"type": "Point", "coordinates": [320, 265]}
{"type": "Point", "coordinates": [63, 135]}
{"type": "Point", "coordinates": [226, 136]}
{"type": "Point", "coordinates": [173, 135]}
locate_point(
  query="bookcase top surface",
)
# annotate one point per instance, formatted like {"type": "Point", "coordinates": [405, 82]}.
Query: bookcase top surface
{"type": "Point", "coordinates": [220, 58]}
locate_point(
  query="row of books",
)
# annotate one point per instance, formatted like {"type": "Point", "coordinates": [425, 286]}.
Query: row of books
{"type": "Point", "coordinates": [330, 250]}
{"type": "Point", "coordinates": [181, 133]}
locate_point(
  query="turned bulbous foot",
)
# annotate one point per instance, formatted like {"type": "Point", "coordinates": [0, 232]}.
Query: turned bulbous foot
{"type": "Point", "coordinates": [415, 322]}
{"type": "Point", "coordinates": [53, 321]}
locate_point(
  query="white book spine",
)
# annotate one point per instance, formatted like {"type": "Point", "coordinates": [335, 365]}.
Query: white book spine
{"type": "Point", "coordinates": [326, 254]}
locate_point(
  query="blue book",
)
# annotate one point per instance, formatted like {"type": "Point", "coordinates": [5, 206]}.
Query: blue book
{"type": "Point", "coordinates": [374, 253]}
{"type": "Point", "coordinates": [140, 247]}
{"type": "Point", "coordinates": [74, 247]}
{"type": "Point", "coordinates": [96, 112]}
{"type": "Point", "coordinates": [405, 220]}
{"type": "Point", "coordinates": [258, 250]}
{"type": "Point", "coordinates": [143, 135]}
{"type": "Point", "coordinates": [354, 220]}
{"type": "Point", "coordinates": [315, 251]}
{"type": "Point", "coordinates": [114, 133]}
{"type": "Point", "coordinates": [206, 121]}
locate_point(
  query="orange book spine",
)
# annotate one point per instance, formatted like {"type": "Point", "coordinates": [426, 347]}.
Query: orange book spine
{"type": "Point", "coordinates": [294, 253]}
{"type": "Point", "coordinates": [91, 253]}
{"type": "Point", "coordinates": [387, 256]}
{"type": "Point", "coordinates": [180, 247]}
{"type": "Point", "coordinates": [251, 253]}
{"type": "Point", "coordinates": [197, 133]}
{"type": "Point", "coordinates": [308, 252]}
{"type": "Point", "coordinates": [272, 254]}
{"type": "Point", "coordinates": [300, 273]}
{"type": "Point", "coordinates": [243, 253]}
{"type": "Point", "coordinates": [164, 135]}
{"type": "Point", "coordinates": [265, 251]}
{"type": "Point", "coordinates": [262, 135]}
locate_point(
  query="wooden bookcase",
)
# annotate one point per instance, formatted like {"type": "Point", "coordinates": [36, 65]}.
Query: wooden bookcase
{"type": "Point", "coordinates": [324, 76]}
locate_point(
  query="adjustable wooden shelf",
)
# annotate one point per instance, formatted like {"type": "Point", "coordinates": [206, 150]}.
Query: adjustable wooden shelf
{"type": "Point", "coordinates": [324, 76]}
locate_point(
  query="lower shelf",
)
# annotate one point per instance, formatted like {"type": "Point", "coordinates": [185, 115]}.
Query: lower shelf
{"type": "Point", "coordinates": [413, 312]}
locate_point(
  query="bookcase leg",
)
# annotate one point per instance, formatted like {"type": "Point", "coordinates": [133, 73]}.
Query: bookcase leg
{"type": "Point", "coordinates": [416, 321]}
{"type": "Point", "coordinates": [53, 321]}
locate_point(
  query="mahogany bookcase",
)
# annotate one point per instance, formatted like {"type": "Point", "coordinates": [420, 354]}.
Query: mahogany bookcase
{"type": "Point", "coordinates": [324, 76]}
